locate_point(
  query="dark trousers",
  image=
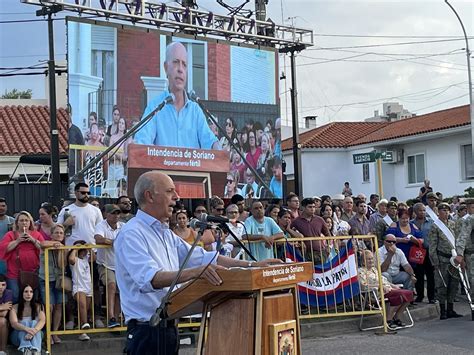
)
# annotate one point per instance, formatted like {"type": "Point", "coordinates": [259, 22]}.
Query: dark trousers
{"type": "Point", "coordinates": [420, 271]}
{"type": "Point", "coordinates": [142, 339]}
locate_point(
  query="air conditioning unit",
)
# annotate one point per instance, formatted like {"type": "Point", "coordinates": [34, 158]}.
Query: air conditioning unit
{"type": "Point", "coordinates": [393, 156]}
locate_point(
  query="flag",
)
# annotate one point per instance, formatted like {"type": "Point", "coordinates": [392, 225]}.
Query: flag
{"type": "Point", "coordinates": [333, 282]}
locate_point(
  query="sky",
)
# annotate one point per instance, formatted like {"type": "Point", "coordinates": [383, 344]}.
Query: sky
{"type": "Point", "coordinates": [365, 53]}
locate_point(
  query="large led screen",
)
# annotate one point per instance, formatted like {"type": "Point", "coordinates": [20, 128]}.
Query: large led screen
{"type": "Point", "coordinates": [182, 105]}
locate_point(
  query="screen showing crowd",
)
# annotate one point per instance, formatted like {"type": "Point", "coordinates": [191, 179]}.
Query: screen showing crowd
{"type": "Point", "coordinates": [119, 75]}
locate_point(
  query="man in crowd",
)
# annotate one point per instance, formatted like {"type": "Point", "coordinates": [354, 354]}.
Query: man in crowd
{"type": "Point", "coordinates": [240, 202]}
{"type": "Point", "coordinates": [317, 203]}
{"type": "Point", "coordinates": [311, 225]}
{"type": "Point", "coordinates": [105, 234]}
{"type": "Point", "coordinates": [347, 209]}
{"type": "Point", "coordinates": [6, 304]}
{"type": "Point", "coordinates": [82, 216]}
{"type": "Point", "coordinates": [147, 258]}
{"type": "Point", "coordinates": [391, 259]}
{"type": "Point", "coordinates": [440, 254]}
{"type": "Point", "coordinates": [424, 225]}
{"type": "Point", "coordinates": [465, 244]}
{"type": "Point", "coordinates": [384, 223]}
{"type": "Point", "coordinates": [432, 201]}
{"type": "Point", "coordinates": [262, 229]}
{"type": "Point", "coordinates": [251, 188]}
{"type": "Point", "coordinates": [359, 222]}
{"type": "Point", "coordinates": [293, 203]}
{"type": "Point", "coordinates": [182, 122]}
{"type": "Point", "coordinates": [5, 221]}
{"type": "Point", "coordinates": [199, 210]}
{"type": "Point", "coordinates": [125, 205]}
{"type": "Point", "coordinates": [372, 206]}
{"type": "Point", "coordinates": [380, 213]}
{"type": "Point", "coordinates": [424, 191]}
{"type": "Point", "coordinates": [231, 244]}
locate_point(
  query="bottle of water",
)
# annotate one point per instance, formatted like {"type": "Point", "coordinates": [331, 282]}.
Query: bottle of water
{"type": "Point", "coordinates": [68, 229]}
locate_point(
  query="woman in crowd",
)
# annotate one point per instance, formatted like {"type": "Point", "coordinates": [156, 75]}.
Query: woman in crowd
{"type": "Point", "coordinates": [406, 232]}
{"type": "Point", "coordinates": [399, 299]}
{"type": "Point", "coordinates": [326, 211]}
{"type": "Point", "coordinates": [182, 229]}
{"type": "Point", "coordinates": [20, 248]}
{"type": "Point", "coordinates": [272, 211]}
{"type": "Point", "coordinates": [27, 318]}
{"type": "Point", "coordinates": [231, 184]}
{"type": "Point", "coordinates": [56, 263]}
{"type": "Point", "coordinates": [231, 131]}
{"type": "Point", "coordinates": [342, 227]}
{"type": "Point", "coordinates": [117, 161]}
{"type": "Point", "coordinates": [254, 150]}
{"type": "Point", "coordinates": [237, 164]}
{"type": "Point", "coordinates": [244, 140]}
{"type": "Point", "coordinates": [113, 128]}
{"type": "Point", "coordinates": [47, 213]}
{"type": "Point", "coordinates": [265, 156]}
{"type": "Point", "coordinates": [284, 222]}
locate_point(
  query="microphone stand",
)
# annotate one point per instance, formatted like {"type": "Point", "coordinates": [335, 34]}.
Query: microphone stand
{"type": "Point", "coordinates": [167, 100]}
{"type": "Point", "coordinates": [161, 312]}
{"type": "Point", "coordinates": [192, 96]}
{"type": "Point", "coordinates": [226, 228]}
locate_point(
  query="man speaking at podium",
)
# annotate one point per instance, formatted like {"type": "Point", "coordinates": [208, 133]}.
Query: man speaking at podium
{"type": "Point", "coordinates": [148, 255]}
{"type": "Point", "coordinates": [182, 122]}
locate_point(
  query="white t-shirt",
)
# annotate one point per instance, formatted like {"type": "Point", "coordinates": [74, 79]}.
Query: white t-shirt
{"type": "Point", "coordinates": [106, 256]}
{"type": "Point", "coordinates": [398, 259]}
{"type": "Point", "coordinates": [81, 276]}
{"type": "Point", "coordinates": [86, 218]}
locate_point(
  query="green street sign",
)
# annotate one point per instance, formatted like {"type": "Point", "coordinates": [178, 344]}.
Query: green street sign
{"type": "Point", "coordinates": [364, 158]}
{"type": "Point", "coordinates": [387, 156]}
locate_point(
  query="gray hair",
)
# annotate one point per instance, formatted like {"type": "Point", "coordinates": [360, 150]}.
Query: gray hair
{"type": "Point", "coordinates": [417, 206]}
{"type": "Point", "coordinates": [144, 182]}
{"type": "Point", "coordinates": [170, 48]}
{"type": "Point", "coordinates": [232, 206]}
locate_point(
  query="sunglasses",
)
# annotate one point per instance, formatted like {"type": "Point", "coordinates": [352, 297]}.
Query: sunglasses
{"type": "Point", "coordinates": [84, 192]}
{"type": "Point", "coordinates": [390, 241]}
{"type": "Point", "coordinates": [233, 212]}
{"type": "Point", "coordinates": [126, 202]}
{"type": "Point", "coordinates": [228, 124]}
{"type": "Point", "coordinates": [219, 209]}
{"type": "Point", "coordinates": [230, 181]}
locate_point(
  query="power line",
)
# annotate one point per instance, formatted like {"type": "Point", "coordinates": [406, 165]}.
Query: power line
{"type": "Point", "coordinates": [443, 102]}
{"type": "Point", "coordinates": [387, 44]}
{"type": "Point", "coordinates": [379, 36]}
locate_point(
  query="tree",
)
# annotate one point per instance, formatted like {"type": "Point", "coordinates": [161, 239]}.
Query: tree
{"type": "Point", "coordinates": [17, 94]}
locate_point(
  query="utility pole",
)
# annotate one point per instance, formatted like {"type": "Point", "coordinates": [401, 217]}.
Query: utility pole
{"type": "Point", "coordinates": [294, 118]}
{"type": "Point", "coordinates": [468, 55]}
{"type": "Point", "coordinates": [55, 172]}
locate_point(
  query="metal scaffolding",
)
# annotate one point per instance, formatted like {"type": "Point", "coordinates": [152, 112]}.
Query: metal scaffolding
{"type": "Point", "coordinates": [187, 20]}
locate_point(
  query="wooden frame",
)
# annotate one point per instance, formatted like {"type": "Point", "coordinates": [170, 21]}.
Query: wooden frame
{"type": "Point", "coordinates": [284, 335]}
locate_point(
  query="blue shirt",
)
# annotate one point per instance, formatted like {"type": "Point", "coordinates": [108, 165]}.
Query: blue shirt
{"type": "Point", "coordinates": [396, 231]}
{"type": "Point", "coordinates": [425, 230]}
{"type": "Point", "coordinates": [267, 228]}
{"type": "Point", "coordinates": [187, 128]}
{"type": "Point", "coordinates": [275, 187]}
{"type": "Point", "coordinates": [144, 247]}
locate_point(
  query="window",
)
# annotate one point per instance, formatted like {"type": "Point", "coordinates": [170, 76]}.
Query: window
{"type": "Point", "coordinates": [365, 172]}
{"type": "Point", "coordinates": [416, 168]}
{"type": "Point", "coordinates": [467, 163]}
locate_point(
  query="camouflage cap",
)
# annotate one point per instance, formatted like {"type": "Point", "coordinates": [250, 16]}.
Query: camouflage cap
{"type": "Point", "coordinates": [444, 206]}
{"type": "Point", "coordinates": [432, 195]}
{"type": "Point", "coordinates": [469, 201]}
{"type": "Point", "coordinates": [392, 204]}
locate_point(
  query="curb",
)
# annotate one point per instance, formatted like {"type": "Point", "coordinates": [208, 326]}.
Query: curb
{"type": "Point", "coordinates": [326, 328]}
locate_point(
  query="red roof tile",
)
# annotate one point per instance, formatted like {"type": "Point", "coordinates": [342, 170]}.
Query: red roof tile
{"type": "Point", "coordinates": [25, 130]}
{"type": "Point", "coordinates": [345, 134]}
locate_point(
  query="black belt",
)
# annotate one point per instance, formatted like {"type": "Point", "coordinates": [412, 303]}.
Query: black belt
{"type": "Point", "coordinates": [444, 254]}
{"type": "Point", "coordinates": [170, 323]}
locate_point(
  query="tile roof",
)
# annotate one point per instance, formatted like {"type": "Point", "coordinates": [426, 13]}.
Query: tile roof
{"type": "Point", "coordinates": [25, 130]}
{"type": "Point", "coordinates": [345, 134]}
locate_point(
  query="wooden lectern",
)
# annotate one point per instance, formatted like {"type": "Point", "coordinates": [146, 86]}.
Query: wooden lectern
{"type": "Point", "coordinates": [254, 311]}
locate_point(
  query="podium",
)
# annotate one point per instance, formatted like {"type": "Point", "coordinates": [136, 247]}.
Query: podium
{"type": "Point", "coordinates": [254, 310]}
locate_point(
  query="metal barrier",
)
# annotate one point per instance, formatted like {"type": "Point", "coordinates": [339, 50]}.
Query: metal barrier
{"type": "Point", "coordinates": [319, 250]}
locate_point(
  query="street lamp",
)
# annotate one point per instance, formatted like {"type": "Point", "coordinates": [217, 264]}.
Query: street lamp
{"type": "Point", "coordinates": [468, 55]}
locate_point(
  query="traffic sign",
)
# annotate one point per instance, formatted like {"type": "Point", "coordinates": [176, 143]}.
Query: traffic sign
{"type": "Point", "coordinates": [363, 158]}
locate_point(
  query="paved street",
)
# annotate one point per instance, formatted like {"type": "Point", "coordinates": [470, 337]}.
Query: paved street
{"type": "Point", "coordinates": [452, 336]}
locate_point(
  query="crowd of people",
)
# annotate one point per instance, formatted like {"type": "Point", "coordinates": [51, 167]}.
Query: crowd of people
{"type": "Point", "coordinates": [75, 275]}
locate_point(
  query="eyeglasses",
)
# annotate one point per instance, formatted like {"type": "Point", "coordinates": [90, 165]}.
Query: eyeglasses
{"type": "Point", "coordinates": [228, 124]}
{"type": "Point", "coordinates": [85, 192]}
{"type": "Point", "coordinates": [200, 211]}
{"type": "Point", "coordinates": [230, 181]}
{"type": "Point", "coordinates": [233, 212]}
{"type": "Point", "coordinates": [126, 202]}
{"type": "Point", "coordinates": [390, 241]}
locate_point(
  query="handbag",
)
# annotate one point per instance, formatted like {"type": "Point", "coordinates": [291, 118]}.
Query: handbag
{"type": "Point", "coordinates": [63, 282]}
{"type": "Point", "coordinates": [417, 254]}
{"type": "Point", "coordinates": [30, 278]}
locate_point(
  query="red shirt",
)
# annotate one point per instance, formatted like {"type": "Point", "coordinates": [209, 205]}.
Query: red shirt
{"type": "Point", "coordinates": [27, 252]}
{"type": "Point", "coordinates": [313, 228]}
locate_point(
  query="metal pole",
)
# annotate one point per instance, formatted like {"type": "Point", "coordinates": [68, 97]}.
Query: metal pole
{"type": "Point", "coordinates": [379, 175]}
{"type": "Point", "coordinates": [295, 123]}
{"type": "Point", "coordinates": [468, 55]}
{"type": "Point", "coordinates": [55, 173]}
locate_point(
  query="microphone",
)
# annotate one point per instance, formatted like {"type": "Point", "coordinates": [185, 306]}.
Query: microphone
{"type": "Point", "coordinates": [196, 223]}
{"type": "Point", "coordinates": [192, 96]}
{"type": "Point", "coordinates": [215, 219]}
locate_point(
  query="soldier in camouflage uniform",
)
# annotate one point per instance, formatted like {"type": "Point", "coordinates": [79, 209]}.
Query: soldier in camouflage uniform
{"type": "Point", "coordinates": [440, 255]}
{"type": "Point", "coordinates": [465, 243]}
